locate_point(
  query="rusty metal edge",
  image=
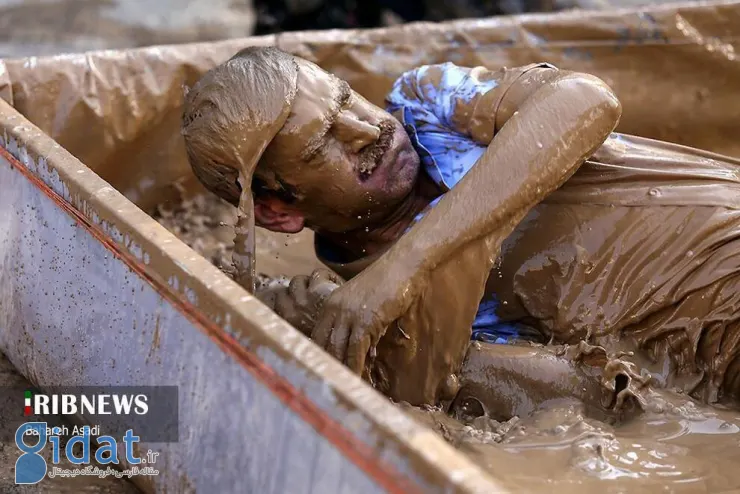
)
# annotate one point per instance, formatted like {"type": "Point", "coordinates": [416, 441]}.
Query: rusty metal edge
{"type": "Point", "coordinates": [241, 325]}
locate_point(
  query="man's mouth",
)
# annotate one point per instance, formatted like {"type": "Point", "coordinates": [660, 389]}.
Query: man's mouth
{"type": "Point", "coordinates": [372, 157]}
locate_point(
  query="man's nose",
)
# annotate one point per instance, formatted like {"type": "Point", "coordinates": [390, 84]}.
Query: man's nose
{"type": "Point", "coordinates": [354, 132]}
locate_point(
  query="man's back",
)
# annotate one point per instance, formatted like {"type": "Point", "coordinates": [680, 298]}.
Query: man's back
{"type": "Point", "coordinates": [643, 241]}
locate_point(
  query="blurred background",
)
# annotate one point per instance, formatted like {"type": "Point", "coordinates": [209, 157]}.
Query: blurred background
{"type": "Point", "coordinates": [45, 27]}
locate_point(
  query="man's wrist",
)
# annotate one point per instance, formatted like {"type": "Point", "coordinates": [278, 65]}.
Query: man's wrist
{"type": "Point", "coordinates": [406, 268]}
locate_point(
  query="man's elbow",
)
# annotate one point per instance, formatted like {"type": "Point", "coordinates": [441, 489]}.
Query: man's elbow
{"type": "Point", "coordinates": [592, 95]}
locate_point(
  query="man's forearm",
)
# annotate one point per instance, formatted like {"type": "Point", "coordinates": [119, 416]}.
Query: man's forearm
{"type": "Point", "coordinates": [534, 153]}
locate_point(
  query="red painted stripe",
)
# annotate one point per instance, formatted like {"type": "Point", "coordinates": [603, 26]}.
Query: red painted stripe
{"type": "Point", "coordinates": [362, 455]}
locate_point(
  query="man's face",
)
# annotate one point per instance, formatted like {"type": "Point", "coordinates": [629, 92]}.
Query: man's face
{"type": "Point", "coordinates": [348, 161]}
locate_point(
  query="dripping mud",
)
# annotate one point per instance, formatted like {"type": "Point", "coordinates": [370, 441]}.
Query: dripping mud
{"type": "Point", "coordinates": [580, 417]}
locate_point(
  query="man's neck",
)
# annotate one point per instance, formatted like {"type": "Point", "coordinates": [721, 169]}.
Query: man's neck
{"type": "Point", "coordinates": [370, 239]}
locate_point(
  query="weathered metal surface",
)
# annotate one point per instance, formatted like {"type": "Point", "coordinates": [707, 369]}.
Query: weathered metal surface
{"type": "Point", "coordinates": [95, 292]}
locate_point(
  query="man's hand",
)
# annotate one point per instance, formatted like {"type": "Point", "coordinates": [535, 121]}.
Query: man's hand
{"type": "Point", "coordinates": [299, 300]}
{"type": "Point", "coordinates": [357, 314]}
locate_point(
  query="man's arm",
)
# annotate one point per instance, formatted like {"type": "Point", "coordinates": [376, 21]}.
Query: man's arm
{"type": "Point", "coordinates": [549, 124]}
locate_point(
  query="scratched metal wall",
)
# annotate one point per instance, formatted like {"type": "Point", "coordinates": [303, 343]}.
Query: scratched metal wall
{"type": "Point", "coordinates": [94, 292]}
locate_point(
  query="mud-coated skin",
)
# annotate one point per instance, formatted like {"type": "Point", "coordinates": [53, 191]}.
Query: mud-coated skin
{"type": "Point", "coordinates": [299, 299]}
{"type": "Point", "coordinates": [434, 275]}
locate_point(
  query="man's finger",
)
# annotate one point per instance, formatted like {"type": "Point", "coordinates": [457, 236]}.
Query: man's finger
{"type": "Point", "coordinates": [339, 339]}
{"type": "Point", "coordinates": [298, 289]}
{"type": "Point", "coordinates": [357, 350]}
{"type": "Point", "coordinates": [320, 288]}
{"type": "Point", "coordinates": [322, 331]}
{"type": "Point", "coordinates": [284, 303]}
{"type": "Point", "coordinates": [320, 275]}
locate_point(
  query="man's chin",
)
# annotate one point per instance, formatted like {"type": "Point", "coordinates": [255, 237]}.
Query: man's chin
{"type": "Point", "coordinates": [406, 173]}
{"type": "Point", "coordinates": [282, 229]}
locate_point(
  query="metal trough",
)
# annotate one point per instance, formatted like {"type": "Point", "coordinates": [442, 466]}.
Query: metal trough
{"type": "Point", "coordinates": [94, 292]}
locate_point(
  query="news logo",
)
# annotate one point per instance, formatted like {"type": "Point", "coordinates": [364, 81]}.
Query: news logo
{"type": "Point", "coordinates": [27, 410]}
{"type": "Point", "coordinates": [92, 404]}
{"type": "Point", "coordinates": [152, 412]}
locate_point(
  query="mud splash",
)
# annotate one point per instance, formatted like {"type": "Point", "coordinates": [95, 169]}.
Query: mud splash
{"type": "Point", "coordinates": [586, 416]}
{"type": "Point", "coordinates": [595, 420]}
{"type": "Point", "coordinates": [689, 448]}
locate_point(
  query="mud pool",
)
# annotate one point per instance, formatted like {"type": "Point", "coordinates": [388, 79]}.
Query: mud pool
{"type": "Point", "coordinates": [665, 442]}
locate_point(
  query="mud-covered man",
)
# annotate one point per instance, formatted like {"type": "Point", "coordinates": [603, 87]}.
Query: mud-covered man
{"type": "Point", "coordinates": [492, 204]}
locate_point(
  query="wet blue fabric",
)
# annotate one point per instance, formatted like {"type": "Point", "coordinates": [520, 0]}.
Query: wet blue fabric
{"type": "Point", "coordinates": [446, 153]}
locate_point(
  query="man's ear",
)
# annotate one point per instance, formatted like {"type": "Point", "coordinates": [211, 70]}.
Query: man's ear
{"type": "Point", "coordinates": [277, 216]}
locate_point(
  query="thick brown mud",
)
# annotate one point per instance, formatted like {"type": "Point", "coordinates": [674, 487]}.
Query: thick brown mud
{"type": "Point", "coordinates": [575, 417]}
{"type": "Point", "coordinates": [691, 448]}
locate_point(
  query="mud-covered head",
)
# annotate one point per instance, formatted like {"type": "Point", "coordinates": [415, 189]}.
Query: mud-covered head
{"type": "Point", "coordinates": [336, 163]}
{"type": "Point", "coordinates": [231, 114]}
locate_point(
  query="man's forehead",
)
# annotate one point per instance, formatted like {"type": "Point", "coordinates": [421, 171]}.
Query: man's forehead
{"type": "Point", "coordinates": [310, 68]}
{"type": "Point", "coordinates": [313, 81]}
{"type": "Point", "coordinates": [318, 97]}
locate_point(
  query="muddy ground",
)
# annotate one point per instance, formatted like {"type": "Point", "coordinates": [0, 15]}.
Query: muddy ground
{"type": "Point", "coordinates": [206, 223]}
{"type": "Point", "coordinates": [44, 27]}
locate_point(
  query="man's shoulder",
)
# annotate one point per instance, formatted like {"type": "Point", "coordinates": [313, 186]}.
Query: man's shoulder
{"type": "Point", "coordinates": [424, 83]}
{"type": "Point", "coordinates": [430, 83]}
{"type": "Point", "coordinates": [432, 70]}
{"type": "Point", "coordinates": [428, 80]}
{"type": "Point", "coordinates": [435, 71]}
